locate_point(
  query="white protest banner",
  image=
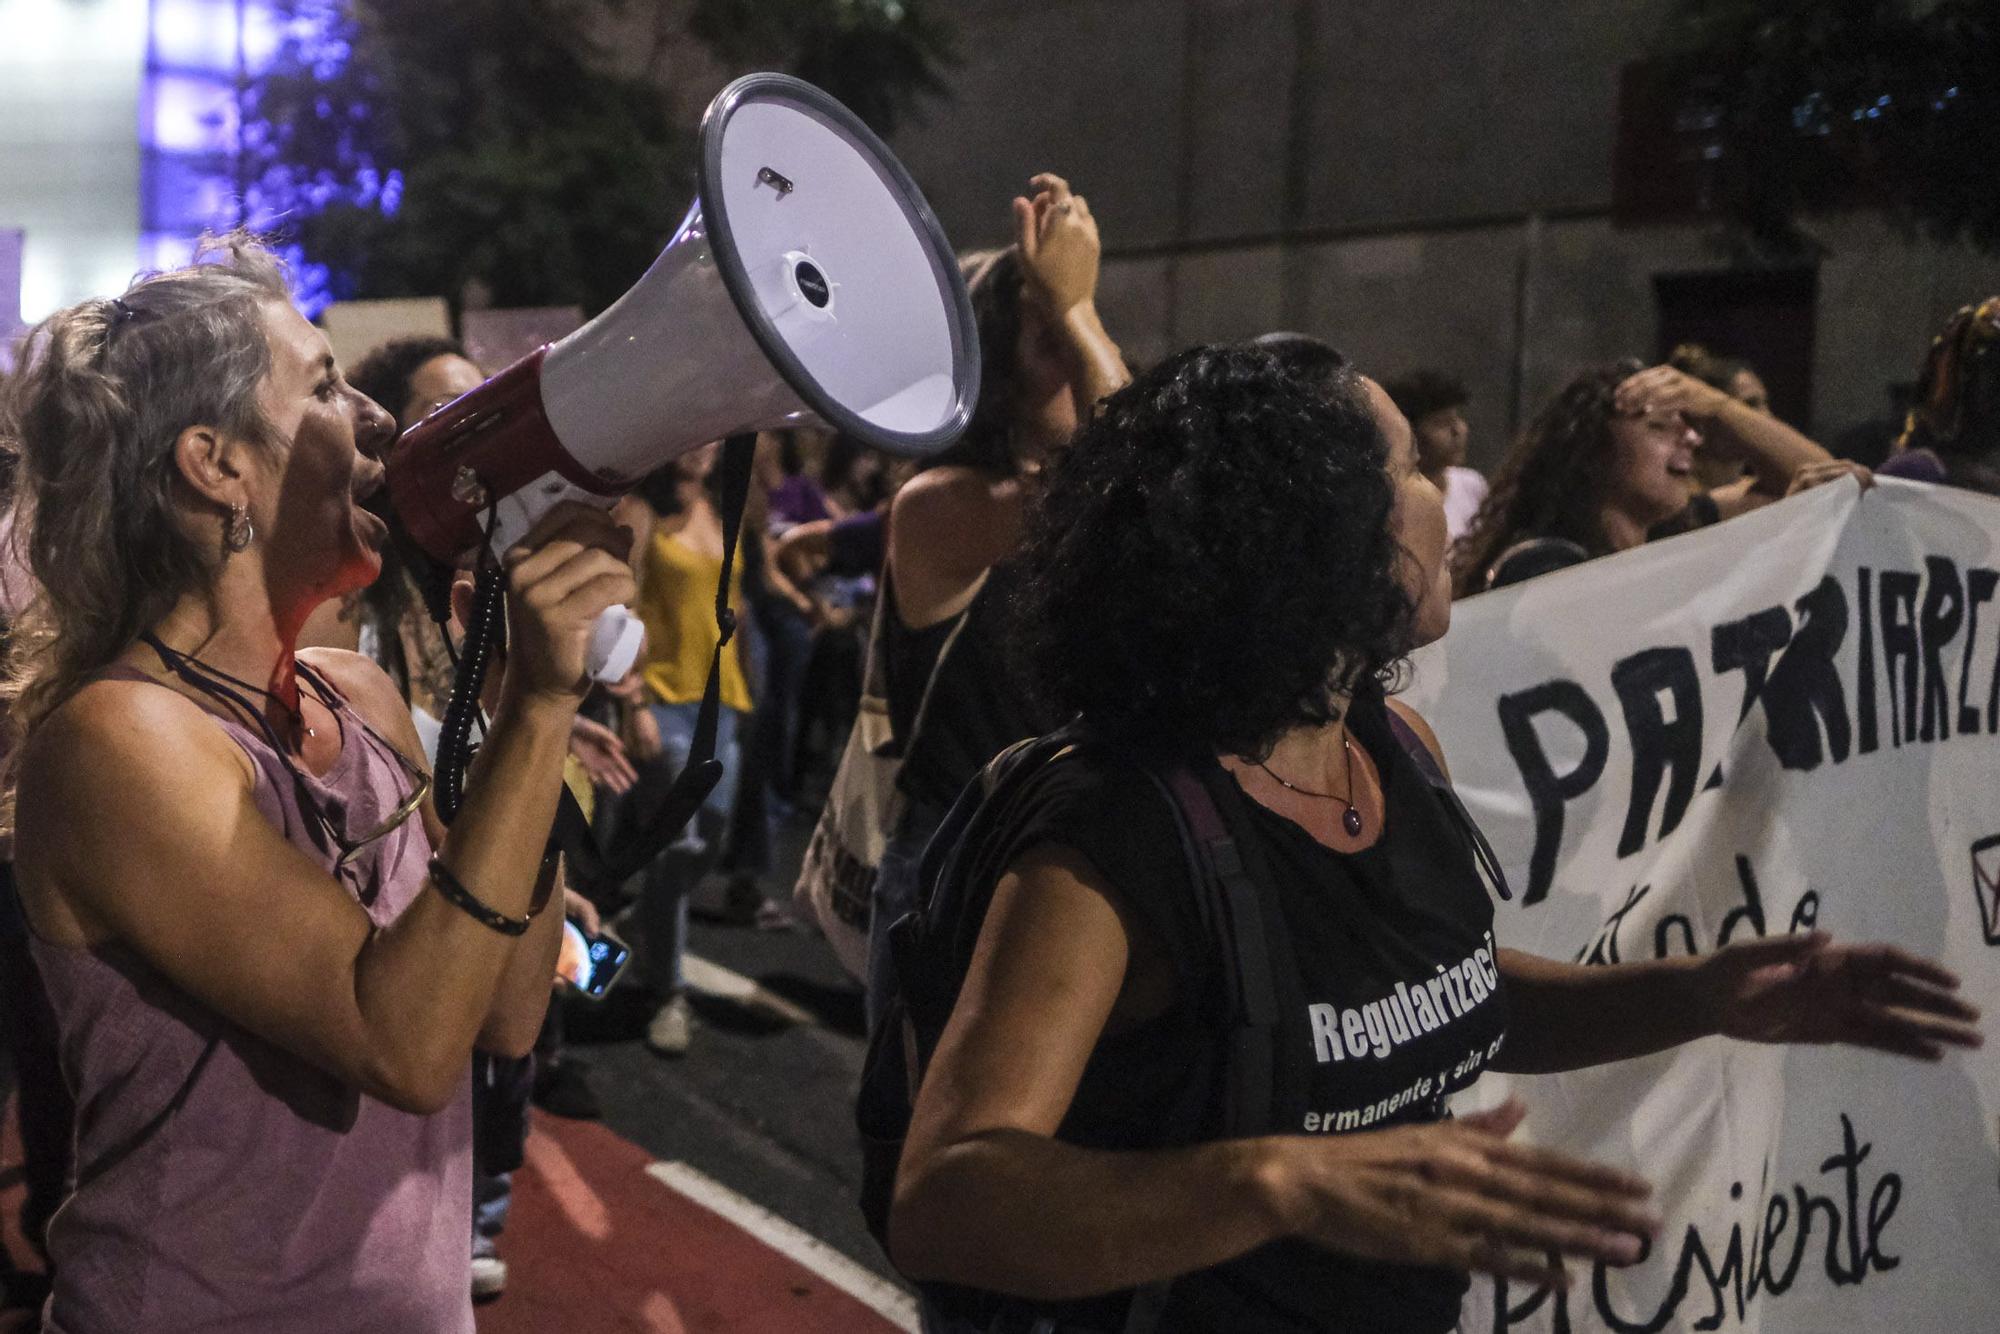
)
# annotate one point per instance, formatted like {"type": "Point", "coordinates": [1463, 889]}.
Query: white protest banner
{"type": "Point", "coordinates": [1788, 720]}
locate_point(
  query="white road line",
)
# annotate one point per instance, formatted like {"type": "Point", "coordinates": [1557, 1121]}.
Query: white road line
{"type": "Point", "coordinates": [870, 1289]}
{"type": "Point", "coordinates": [711, 978]}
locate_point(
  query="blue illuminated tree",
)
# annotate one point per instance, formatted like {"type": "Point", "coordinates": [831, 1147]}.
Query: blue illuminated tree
{"type": "Point", "coordinates": [414, 148]}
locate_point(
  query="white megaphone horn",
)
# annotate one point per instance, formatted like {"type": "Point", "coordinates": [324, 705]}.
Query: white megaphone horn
{"type": "Point", "coordinates": [809, 284]}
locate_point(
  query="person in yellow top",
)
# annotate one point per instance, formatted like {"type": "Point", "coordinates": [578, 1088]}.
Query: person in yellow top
{"type": "Point", "coordinates": [678, 560]}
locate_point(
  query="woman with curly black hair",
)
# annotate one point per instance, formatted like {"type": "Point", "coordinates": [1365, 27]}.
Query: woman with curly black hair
{"type": "Point", "coordinates": [1219, 580]}
{"type": "Point", "coordinates": [1611, 462]}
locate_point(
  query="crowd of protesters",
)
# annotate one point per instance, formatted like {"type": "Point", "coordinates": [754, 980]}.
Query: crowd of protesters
{"type": "Point", "coordinates": [240, 1119]}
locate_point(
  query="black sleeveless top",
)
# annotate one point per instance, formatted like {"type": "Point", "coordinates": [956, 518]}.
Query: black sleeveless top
{"type": "Point", "coordinates": [1394, 1003]}
{"type": "Point", "coordinates": [977, 709]}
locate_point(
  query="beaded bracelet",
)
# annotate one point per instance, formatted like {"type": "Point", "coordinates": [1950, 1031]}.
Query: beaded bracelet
{"type": "Point", "coordinates": [465, 900]}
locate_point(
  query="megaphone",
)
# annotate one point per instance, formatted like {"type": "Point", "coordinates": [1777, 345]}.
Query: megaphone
{"type": "Point", "coordinates": [809, 284]}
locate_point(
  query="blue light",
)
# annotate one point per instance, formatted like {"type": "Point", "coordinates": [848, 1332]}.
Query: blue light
{"type": "Point", "coordinates": [192, 135]}
{"type": "Point", "coordinates": [193, 114]}
{"type": "Point", "coordinates": [194, 34]}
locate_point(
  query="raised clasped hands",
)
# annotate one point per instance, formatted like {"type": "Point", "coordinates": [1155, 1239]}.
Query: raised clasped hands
{"type": "Point", "coordinates": [1462, 1195]}
{"type": "Point", "coordinates": [1059, 245]}
{"type": "Point", "coordinates": [1806, 988]}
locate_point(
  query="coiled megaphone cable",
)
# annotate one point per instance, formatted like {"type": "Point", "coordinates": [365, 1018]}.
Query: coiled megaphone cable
{"type": "Point", "coordinates": [484, 632]}
{"type": "Point", "coordinates": [593, 870]}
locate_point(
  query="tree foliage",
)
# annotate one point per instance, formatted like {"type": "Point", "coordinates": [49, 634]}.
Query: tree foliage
{"type": "Point", "coordinates": [1817, 104]}
{"type": "Point", "coordinates": [415, 148]}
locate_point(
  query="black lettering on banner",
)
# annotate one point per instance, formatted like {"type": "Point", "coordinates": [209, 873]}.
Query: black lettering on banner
{"type": "Point", "coordinates": [1979, 587]}
{"type": "Point", "coordinates": [1864, 676]}
{"type": "Point", "coordinates": [1661, 747]}
{"type": "Point", "coordinates": [1900, 649]}
{"type": "Point", "coordinates": [1805, 913]}
{"type": "Point", "coordinates": [1776, 1215]}
{"type": "Point", "coordinates": [1686, 927]}
{"type": "Point", "coordinates": [1805, 691]}
{"type": "Point", "coordinates": [1604, 949]}
{"type": "Point", "coordinates": [1547, 789]}
{"type": "Point", "coordinates": [1752, 910]}
{"type": "Point", "coordinates": [1764, 1263]}
{"type": "Point", "coordinates": [1748, 646]}
{"type": "Point", "coordinates": [1944, 612]}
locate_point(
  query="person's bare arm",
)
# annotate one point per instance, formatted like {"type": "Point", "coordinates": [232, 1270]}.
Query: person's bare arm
{"type": "Point", "coordinates": [987, 1196]}
{"type": "Point", "coordinates": [1782, 989]}
{"type": "Point", "coordinates": [947, 527]}
{"type": "Point", "coordinates": [200, 885]}
{"type": "Point", "coordinates": [514, 1019]}
{"type": "Point", "coordinates": [780, 581]}
{"type": "Point", "coordinates": [804, 550]}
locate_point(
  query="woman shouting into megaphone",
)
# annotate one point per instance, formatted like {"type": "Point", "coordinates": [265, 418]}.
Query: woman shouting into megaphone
{"type": "Point", "coordinates": [268, 960]}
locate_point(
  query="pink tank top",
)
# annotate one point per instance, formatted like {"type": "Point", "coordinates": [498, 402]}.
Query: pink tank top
{"type": "Point", "coordinates": [226, 1186]}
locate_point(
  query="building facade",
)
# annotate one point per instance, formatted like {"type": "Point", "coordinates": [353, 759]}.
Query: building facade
{"type": "Point", "coordinates": [1417, 183]}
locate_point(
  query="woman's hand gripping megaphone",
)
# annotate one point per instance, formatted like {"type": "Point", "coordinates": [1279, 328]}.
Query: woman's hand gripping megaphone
{"type": "Point", "coordinates": [571, 568]}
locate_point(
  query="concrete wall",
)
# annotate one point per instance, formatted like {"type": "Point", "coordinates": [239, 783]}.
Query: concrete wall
{"type": "Point", "coordinates": [1420, 183]}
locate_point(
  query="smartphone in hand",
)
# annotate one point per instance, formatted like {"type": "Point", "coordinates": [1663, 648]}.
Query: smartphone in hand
{"type": "Point", "coordinates": [590, 964]}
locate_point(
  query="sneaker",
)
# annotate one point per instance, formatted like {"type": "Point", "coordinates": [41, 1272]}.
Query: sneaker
{"type": "Point", "coordinates": [489, 1271]}
{"type": "Point", "coordinates": [562, 1088]}
{"type": "Point", "coordinates": [671, 1028]}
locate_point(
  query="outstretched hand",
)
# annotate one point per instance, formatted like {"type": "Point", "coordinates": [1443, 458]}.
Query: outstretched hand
{"type": "Point", "coordinates": [1805, 988]}
{"type": "Point", "coordinates": [602, 754]}
{"type": "Point", "coordinates": [1462, 1195]}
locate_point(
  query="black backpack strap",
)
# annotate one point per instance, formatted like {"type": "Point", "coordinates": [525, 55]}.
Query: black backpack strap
{"type": "Point", "coordinates": [1231, 908]}
{"type": "Point", "coordinates": [1406, 737]}
{"type": "Point", "coordinates": [1427, 763]}
{"type": "Point", "coordinates": [1239, 923]}
{"type": "Point", "coordinates": [598, 870]}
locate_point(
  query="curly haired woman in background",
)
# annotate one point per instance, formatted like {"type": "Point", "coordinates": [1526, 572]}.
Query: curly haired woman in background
{"type": "Point", "coordinates": [1611, 463]}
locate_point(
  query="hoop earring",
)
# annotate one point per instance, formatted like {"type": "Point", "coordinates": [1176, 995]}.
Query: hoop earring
{"type": "Point", "coordinates": [237, 529]}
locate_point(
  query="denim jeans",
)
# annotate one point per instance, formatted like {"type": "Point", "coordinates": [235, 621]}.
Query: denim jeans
{"type": "Point", "coordinates": [662, 889]}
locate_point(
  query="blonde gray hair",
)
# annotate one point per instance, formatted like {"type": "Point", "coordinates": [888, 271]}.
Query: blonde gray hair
{"type": "Point", "coordinates": [102, 391]}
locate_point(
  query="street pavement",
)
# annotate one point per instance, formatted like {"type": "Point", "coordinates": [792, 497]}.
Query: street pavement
{"type": "Point", "coordinates": [758, 1114]}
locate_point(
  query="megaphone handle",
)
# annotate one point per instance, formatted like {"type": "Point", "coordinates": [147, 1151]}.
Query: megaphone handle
{"type": "Point", "coordinates": [615, 642]}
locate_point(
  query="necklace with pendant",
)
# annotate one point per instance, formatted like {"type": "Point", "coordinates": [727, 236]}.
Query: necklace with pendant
{"type": "Point", "coordinates": [1350, 819]}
